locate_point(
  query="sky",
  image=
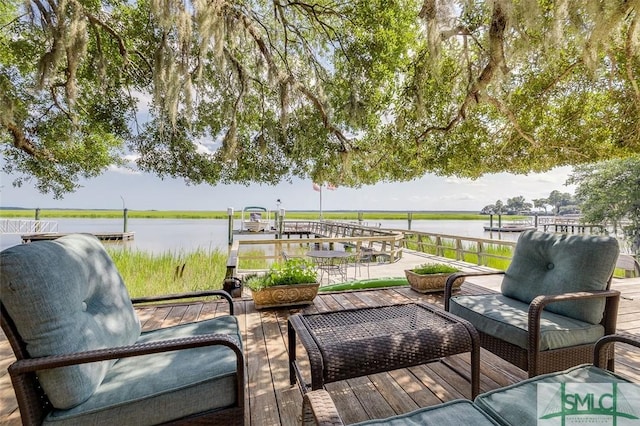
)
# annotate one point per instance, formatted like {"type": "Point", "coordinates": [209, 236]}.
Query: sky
{"type": "Point", "coordinates": [118, 188]}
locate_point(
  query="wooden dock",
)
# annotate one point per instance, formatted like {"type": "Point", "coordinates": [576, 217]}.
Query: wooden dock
{"type": "Point", "coordinates": [572, 228]}
{"type": "Point", "coordinates": [509, 228]}
{"type": "Point", "coordinates": [271, 400]}
{"type": "Point", "coordinates": [102, 236]}
{"type": "Point", "coordinates": [572, 225]}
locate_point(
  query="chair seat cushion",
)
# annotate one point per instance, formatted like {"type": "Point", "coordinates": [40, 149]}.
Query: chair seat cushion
{"type": "Point", "coordinates": [458, 412]}
{"type": "Point", "coordinates": [518, 404]}
{"type": "Point", "coordinates": [506, 319]}
{"type": "Point", "coordinates": [547, 263]}
{"type": "Point", "coordinates": [156, 388]}
{"type": "Point", "coordinates": [67, 296]}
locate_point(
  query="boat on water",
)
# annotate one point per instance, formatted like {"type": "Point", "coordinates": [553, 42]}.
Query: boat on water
{"type": "Point", "coordinates": [510, 227]}
{"type": "Point", "coordinates": [255, 219]}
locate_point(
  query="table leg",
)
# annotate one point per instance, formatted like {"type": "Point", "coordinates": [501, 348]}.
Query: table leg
{"type": "Point", "coordinates": [475, 363]}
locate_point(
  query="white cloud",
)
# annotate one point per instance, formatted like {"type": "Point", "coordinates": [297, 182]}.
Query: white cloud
{"type": "Point", "coordinates": [461, 197]}
{"type": "Point", "coordinates": [126, 170]}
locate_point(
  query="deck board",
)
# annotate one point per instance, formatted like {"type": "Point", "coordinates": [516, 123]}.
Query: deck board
{"type": "Point", "coordinates": [271, 400]}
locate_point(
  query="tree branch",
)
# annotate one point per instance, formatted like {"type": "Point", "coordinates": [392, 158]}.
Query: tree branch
{"type": "Point", "coordinates": [628, 47]}
{"type": "Point", "coordinates": [319, 106]}
{"type": "Point", "coordinates": [559, 78]}
{"type": "Point", "coordinates": [24, 144]}
{"type": "Point", "coordinates": [20, 141]}
{"type": "Point", "coordinates": [54, 97]}
{"type": "Point", "coordinates": [121, 46]}
{"type": "Point", "coordinates": [496, 62]}
{"type": "Point", "coordinates": [512, 119]}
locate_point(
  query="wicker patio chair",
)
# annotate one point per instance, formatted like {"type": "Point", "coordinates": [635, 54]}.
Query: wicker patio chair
{"type": "Point", "coordinates": [81, 355]}
{"type": "Point", "coordinates": [555, 302]}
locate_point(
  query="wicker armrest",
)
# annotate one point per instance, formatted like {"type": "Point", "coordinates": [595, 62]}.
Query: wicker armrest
{"type": "Point", "coordinates": [191, 295]}
{"type": "Point", "coordinates": [44, 363]}
{"type": "Point", "coordinates": [448, 286]}
{"type": "Point", "coordinates": [538, 304]}
{"type": "Point", "coordinates": [318, 409]}
{"type": "Point", "coordinates": [603, 345]}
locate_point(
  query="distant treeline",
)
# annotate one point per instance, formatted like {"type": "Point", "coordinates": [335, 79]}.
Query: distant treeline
{"type": "Point", "coordinates": [365, 215]}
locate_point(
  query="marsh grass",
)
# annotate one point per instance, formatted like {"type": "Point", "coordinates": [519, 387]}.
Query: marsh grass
{"type": "Point", "coordinates": [619, 273]}
{"type": "Point", "coordinates": [202, 214]}
{"type": "Point", "coordinates": [501, 260]}
{"type": "Point", "coordinates": [149, 274]}
{"type": "Point", "coordinates": [253, 259]}
{"type": "Point", "coordinates": [496, 262]}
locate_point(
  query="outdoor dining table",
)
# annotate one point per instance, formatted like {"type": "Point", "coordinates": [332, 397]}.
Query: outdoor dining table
{"type": "Point", "coordinates": [330, 262]}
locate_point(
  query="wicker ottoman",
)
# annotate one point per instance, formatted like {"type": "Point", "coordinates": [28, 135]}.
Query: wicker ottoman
{"type": "Point", "coordinates": [358, 342]}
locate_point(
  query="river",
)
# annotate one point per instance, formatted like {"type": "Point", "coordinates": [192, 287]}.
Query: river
{"type": "Point", "coordinates": [184, 235]}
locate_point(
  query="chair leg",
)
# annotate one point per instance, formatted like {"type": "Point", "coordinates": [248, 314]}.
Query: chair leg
{"type": "Point", "coordinates": [357, 266]}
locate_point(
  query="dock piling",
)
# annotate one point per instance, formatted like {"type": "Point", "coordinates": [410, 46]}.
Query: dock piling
{"type": "Point", "coordinates": [230, 215]}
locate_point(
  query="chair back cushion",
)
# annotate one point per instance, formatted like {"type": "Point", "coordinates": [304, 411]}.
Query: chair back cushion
{"type": "Point", "coordinates": [547, 264]}
{"type": "Point", "coordinates": [67, 296]}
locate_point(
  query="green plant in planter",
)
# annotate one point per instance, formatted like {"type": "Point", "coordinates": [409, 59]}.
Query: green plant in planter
{"type": "Point", "coordinates": [430, 277]}
{"type": "Point", "coordinates": [435, 268]}
{"type": "Point", "coordinates": [288, 272]}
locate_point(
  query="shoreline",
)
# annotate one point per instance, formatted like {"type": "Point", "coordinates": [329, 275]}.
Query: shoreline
{"type": "Point", "coordinates": [348, 215]}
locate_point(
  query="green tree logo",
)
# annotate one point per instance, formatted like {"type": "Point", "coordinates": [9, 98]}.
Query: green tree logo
{"type": "Point", "coordinates": [593, 403]}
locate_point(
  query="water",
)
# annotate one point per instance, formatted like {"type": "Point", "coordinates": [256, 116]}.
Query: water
{"type": "Point", "coordinates": [184, 235]}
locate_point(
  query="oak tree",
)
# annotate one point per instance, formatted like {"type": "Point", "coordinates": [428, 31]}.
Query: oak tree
{"type": "Point", "coordinates": [609, 192]}
{"type": "Point", "coordinates": [352, 92]}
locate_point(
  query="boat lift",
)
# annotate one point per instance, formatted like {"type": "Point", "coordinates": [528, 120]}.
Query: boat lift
{"type": "Point", "coordinates": [255, 219]}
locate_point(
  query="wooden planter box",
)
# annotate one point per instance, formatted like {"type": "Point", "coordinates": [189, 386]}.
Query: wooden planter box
{"type": "Point", "coordinates": [430, 282]}
{"type": "Point", "coordinates": [285, 295]}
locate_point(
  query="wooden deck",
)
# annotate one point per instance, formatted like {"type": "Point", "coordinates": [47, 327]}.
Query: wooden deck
{"type": "Point", "coordinates": [271, 400]}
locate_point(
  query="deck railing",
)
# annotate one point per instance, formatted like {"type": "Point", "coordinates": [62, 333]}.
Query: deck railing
{"type": "Point", "coordinates": [487, 252]}
{"type": "Point", "coordinates": [385, 245]}
{"type": "Point", "coordinates": [481, 251]}
{"type": "Point", "coordinates": [24, 226]}
{"type": "Point", "coordinates": [387, 242]}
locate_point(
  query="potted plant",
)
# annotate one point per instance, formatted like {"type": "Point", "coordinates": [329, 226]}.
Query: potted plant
{"type": "Point", "coordinates": [430, 277]}
{"type": "Point", "coordinates": [288, 283]}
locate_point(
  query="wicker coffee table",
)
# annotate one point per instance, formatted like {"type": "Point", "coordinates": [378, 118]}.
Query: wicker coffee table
{"type": "Point", "coordinates": [357, 342]}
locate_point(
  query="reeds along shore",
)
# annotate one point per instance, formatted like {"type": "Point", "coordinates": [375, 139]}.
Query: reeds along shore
{"type": "Point", "coordinates": [149, 274]}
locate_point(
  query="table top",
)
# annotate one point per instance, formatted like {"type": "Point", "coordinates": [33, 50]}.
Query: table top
{"type": "Point", "coordinates": [364, 323]}
{"type": "Point", "coordinates": [328, 254]}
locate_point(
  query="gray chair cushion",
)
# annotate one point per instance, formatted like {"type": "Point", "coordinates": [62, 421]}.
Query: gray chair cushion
{"type": "Point", "coordinates": [546, 264]}
{"type": "Point", "coordinates": [156, 388]}
{"type": "Point", "coordinates": [67, 296]}
{"type": "Point", "coordinates": [517, 404]}
{"type": "Point", "coordinates": [458, 412]}
{"type": "Point", "coordinates": [506, 319]}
